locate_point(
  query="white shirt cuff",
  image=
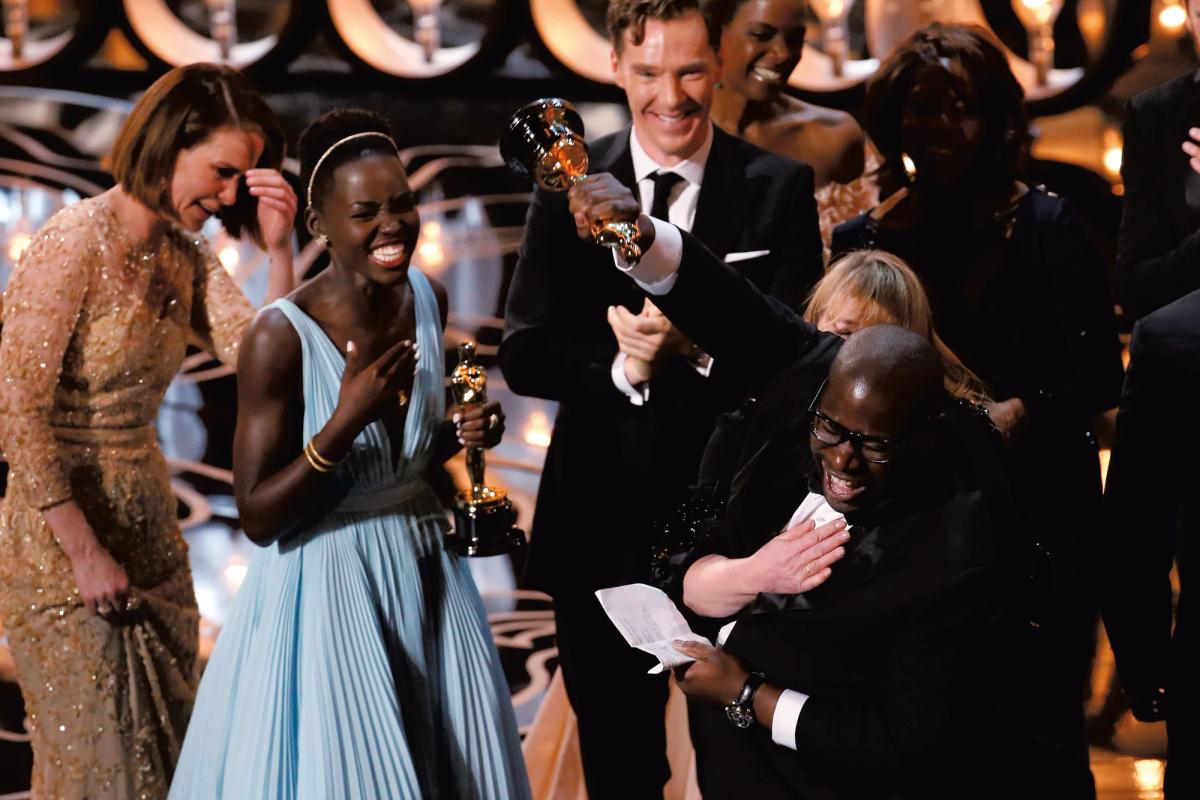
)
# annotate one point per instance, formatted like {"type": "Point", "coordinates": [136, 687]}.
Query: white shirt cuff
{"type": "Point", "coordinates": [703, 365]}
{"type": "Point", "coordinates": [658, 268]}
{"type": "Point", "coordinates": [635, 395]}
{"type": "Point", "coordinates": [787, 714]}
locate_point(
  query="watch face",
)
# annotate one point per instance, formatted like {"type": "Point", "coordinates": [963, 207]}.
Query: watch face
{"type": "Point", "coordinates": [740, 715]}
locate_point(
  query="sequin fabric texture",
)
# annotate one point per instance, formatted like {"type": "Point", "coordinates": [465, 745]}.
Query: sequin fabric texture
{"type": "Point", "coordinates": [838, 202]}
{"type": "Point", "coordinates": [96, 326]}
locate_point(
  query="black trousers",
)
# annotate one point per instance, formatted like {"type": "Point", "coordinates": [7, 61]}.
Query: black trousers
{"type": "Point", "coordinates": [1183, 723]}
{"type": "Point", "coordinates": [621, 710]}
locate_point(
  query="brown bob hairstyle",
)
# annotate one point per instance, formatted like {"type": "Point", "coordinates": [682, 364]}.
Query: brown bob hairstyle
{"type": "Point", "coordinates": [631, 15]}
{"type": "Point", "coordinates": [179, 111]}
{"type": "Point", "coordinates": [970, 52]}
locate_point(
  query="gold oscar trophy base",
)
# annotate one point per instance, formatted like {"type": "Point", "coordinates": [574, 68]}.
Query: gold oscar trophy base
{"type": "Point", "coordinates": [484, 526]}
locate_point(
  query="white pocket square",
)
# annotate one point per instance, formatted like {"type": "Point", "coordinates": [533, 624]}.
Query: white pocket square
{"type": "Point", "coordinates": [732, 257]}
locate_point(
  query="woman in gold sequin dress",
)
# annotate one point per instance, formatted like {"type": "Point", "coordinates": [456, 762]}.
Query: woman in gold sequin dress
{"type": "Point", "coordinates": [95, 589]}
{"type": "Point", "coordinates": [761, 44]}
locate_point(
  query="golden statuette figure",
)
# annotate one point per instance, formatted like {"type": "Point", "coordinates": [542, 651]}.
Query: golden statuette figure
{"type": "Point", "coordinates": [483, 516]}
{"type": "Point", "coordinates": [544, 142]}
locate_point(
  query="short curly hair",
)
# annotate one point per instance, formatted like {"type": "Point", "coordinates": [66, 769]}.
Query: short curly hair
{"type": "Point", "coordinates": [179, 111]}
{"type": "Point", "coordinates": [331, 127]}
{"type": "Point", "coordinates": [1001, 98]}
{"type": "Point", "coordinates": [631, 15]}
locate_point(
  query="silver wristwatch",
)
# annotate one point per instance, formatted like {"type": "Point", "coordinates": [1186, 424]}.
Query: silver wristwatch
{"type": "Point", "coordinates": [741, 710]}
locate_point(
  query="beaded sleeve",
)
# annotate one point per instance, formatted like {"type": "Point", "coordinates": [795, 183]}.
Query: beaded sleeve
{"type": "Point", "coordinates": [220, 311]}
{"type": "Point", "coordinates": [42, 306]}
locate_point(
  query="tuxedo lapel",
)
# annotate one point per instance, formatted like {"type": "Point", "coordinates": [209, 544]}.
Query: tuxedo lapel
{"type": "Point", "coordinates": [616, 160]}
{"type": "Point", "coordinates": [720, 208]}
{"type": "Point", "coordinates": [769, 486]}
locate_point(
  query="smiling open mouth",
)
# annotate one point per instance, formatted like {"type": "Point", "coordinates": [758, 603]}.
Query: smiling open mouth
{"type": "Point", "coordinates": [389, 256]}
{"type": "Point", "coordinates": [838, 487]}
{"type": "Point", "coordinates": [767, 75]}
{"type": "Point", "coordinates": [674, 119]}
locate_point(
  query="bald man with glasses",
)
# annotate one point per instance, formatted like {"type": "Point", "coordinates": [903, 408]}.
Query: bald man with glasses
{"type": "Point", "coordinates": [882, 680]}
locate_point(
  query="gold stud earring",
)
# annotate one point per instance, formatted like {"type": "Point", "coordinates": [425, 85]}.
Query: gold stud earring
{"type": "Point", "coordinates": [323, 240]}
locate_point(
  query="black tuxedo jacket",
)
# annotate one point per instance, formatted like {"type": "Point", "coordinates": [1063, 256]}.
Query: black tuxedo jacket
{"type": "Point", "coordinates": [612, 467]}
{"type": "Point", "coordinates": [892, 649]}
{"type": "Point", "coordinates": [1154, 509]}
{"type": "Point", "coordinates": [1158, 260]}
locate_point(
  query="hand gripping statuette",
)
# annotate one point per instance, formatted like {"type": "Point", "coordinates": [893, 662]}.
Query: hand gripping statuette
{"type": "Point", "coordinates": [483, 516]}
{"type": "Point", "coordinates": [544, 142]}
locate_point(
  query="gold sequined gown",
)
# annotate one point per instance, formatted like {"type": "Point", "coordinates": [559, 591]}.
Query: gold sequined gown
{"type": "Point", "coordinates": [95, 327]}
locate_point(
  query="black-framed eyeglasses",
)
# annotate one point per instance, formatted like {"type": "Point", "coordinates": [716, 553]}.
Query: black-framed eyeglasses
{"type": "Point", "coordinates": [830, 432]}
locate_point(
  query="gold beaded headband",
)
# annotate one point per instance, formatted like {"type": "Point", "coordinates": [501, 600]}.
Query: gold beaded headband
{"type": "Point", "coordinates": [335, 146]}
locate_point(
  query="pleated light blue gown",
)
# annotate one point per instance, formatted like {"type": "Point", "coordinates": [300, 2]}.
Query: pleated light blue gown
{"type": "Point", "coordinates": [357, 661]}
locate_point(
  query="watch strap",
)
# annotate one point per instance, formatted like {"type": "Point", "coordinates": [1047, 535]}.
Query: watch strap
{"type": "Point", "coordinates": [741, 710]}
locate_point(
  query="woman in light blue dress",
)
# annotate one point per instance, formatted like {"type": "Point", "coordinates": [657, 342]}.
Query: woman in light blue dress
{"type": "Point", "coordinates": [358, 661]}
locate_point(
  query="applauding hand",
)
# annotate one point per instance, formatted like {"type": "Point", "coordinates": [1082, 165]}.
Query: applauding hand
{"type": "Point", "coordinates": [648, 338]}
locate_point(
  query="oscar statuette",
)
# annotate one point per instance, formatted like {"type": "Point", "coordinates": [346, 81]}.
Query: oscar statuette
{"type": "Point", "coordinates": [483, 516]}
{"type": "Point", "coordinates": [544, 142]}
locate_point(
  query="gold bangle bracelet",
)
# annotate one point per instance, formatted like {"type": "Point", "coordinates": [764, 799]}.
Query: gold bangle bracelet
{"type": "Point", "coordinates": [313, 462]}
{"type": "Point", "coordinates": [318, 461]}
{"type": "Point", "coordinates": [326, 461]}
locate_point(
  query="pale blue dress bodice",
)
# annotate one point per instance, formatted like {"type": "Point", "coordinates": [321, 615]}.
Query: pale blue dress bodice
{"type": "Point", "coordinates": [357, 661]}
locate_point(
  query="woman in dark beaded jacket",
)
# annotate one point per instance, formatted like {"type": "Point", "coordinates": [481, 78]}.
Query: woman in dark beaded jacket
{"type": "Point", "coordinates": [1019, 293]}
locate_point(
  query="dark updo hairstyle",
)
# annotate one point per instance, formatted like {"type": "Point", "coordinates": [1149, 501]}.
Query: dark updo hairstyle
{"type": "Point", "coordinates": [719, 13]}
{"type": "Point", "coordinates": [1000, 100]}
{"type": "Point", "coordinates": [331, 127]}
{"type": "Point", "coordinates": [179, 111]}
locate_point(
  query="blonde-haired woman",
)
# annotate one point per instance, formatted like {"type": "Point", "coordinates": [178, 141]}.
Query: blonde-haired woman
{"type": "Point", "coordinates": [872, 287]}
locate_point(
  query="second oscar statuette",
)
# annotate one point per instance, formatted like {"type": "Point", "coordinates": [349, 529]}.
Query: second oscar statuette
{"type": "Point", "coordinates": [483, 515]}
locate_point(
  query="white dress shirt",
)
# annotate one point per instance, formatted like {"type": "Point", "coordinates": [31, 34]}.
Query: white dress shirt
{"type": "Point", "coordinates": [681, 209]}
{"type": "Point", "coordinates": [658, 268]}
{"type": "Point", "coordinates": [787, 711]}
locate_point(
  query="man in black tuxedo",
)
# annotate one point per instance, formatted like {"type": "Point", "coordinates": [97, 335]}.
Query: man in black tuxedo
{"type": "Point", "coordinates": [1154, 519]}
{"type": "Point", "coordinates": [1158, 256]}
{"type": "Point", "coordinates": [871, 685]}
{"type": "Point", "coordinates": [891, 690]}
{"type": "Point", "coordinates": [638, 400]}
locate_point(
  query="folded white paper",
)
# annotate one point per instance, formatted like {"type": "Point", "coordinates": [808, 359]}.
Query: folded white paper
{"type": "Point", "coordinates": [649, 621]}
